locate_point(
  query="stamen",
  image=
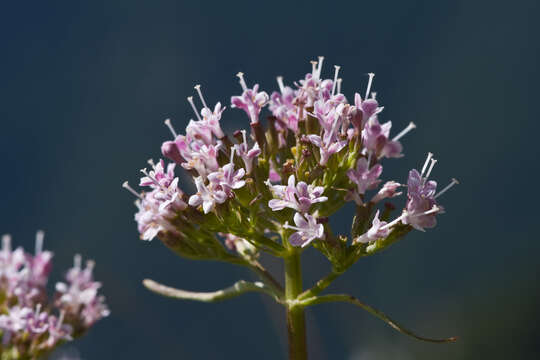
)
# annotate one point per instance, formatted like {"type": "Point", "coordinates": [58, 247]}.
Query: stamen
{"type": "Point", "coordinates": [77, 260]}
{"type": "Point", "coordinates": [433, 162]}
{"type": "Point", "coordinates": [154, 180]}
{"type": "Point", "coordinates": [370, 81]}
{"type": "Point", "coordinates": [319, 68]}
{"type": "Point", "coordinates": [169, 125]}
{"type": "Point", "coordinates": [126, 186]}
{"type": "Point", "coordinates": [403, 132]}
{"type": "Point", "coordinates": [280, 83]}
{"type": "Point", "coordinates": [369, 159]}
{"type": "Point", "coordinates": [339, 85]}
{"type": "Point", "coordinates": [190, 101]}
{"type": "Point", "coordinates": [40, 236]}
{"type": "Point", "coordinates": [151, 162]}
{"type": "Point", "coordinates": [287, 226]}
{"type": "Point", "coordinates": [429, 155]}
{"type": "Point", "coordinates": [452, 183]}
{"type": "Point", "coordinates": [244, 136]}
{"type": "Point", "coordinates": [242, 81]}
{"type": "Point", "coordinates": [233, 149]}
{"type": "Point", "coordinates": [38, 309]}
{"type": "Point", "coordinates": [374, 95]}
{"type": "Point", "coordinates": [313, 67]}
{"type": "Point", "coordinates": [6, 243]}
{"type": "Point", "coordinates": [393, 222]}
{"type": "Point", "coordinates": [198, 88]}
{"type": "Point", "coordinates": [433, 210]}
{"type": "Point", "coordinates": [60, 319]}
{"type": "Point", "coordinates": [336, 72]}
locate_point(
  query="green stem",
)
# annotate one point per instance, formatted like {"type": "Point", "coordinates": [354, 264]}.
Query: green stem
{"type": "Point", "coordinates": [296, 323]}
{"type": "Point", "coordinates": [377, 313]}
{"type": "Point", "coordinates": [319, 286]}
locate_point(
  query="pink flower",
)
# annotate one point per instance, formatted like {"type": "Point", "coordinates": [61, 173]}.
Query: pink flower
{"type": "Point", "coordinates": [375, 232]}
{"type": "Point", "coordinates": [247, 154]}
{"type": "Point", "coordinates": [364, 177]}
{"type": "Point", "coordinates": [227, 178]}
{"type": "Point", "coordinates": [251, 100]}
{"type": "Point", "coordinates": [307, 230]}
{"type": "Point", "coordinates": [207, 196]}
{"type": "Point", "coordinates": [299, 197]}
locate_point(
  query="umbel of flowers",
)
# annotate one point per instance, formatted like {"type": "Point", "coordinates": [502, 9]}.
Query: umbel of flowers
{"type": "Point", "coordinates": [31, 324]}
{"type": "Point", "coordinates": [272, 187]}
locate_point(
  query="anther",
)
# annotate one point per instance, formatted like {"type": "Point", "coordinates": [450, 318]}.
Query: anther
{"type": "Point", "coordinates": [126, 186]}
{"type": "Point", "coordinates": [313, 67]}
{"type": "Point", "coordinates": [452, 183]}
{"type": "Point", "coordinates": [190, 101]}
{"type": "Point", "coordinates": [198, 88]}
{"type": "Point", "coordinates": [242, 81]}
{"type": "Point", "coordinates": [169, 125]}
{"type": "Point", "coordinates": [403, 132]}
{"type": "Point", "coordinates": [370, 81]}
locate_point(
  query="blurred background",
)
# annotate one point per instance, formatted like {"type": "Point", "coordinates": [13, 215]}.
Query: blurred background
{"type": "Point", "coordinates": [85, 87]}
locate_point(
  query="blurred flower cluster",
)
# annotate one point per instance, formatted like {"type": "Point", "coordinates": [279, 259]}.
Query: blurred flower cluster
{"type": "Point", "coordinates": [31, 324]}
{"type": "Point", "coordinates": [315, 152]}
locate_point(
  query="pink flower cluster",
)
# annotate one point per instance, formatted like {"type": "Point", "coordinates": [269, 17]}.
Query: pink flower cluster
{"type": "Point", "coordinates": [30, 325]}
{"type": "Point", "coordinates": [327, 149]}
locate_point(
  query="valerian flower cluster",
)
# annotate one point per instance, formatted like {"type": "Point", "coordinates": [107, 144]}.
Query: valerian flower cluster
{"type": "Point", "coordinates": [31, 324]}
{"type": "Point", "coordinates": [272, 188]}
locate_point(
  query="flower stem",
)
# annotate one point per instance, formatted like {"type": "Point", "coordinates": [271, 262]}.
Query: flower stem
{"type": "Point", "coordinates": [296, 323]}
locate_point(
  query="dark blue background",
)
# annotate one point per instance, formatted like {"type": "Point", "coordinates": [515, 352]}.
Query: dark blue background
{"type": "Point", "coordinates": [85, 87]}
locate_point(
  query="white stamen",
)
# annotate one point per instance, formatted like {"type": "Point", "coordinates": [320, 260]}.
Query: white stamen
{"type": "Point", "coordinates": [334, 83]}
{"type": "Point", "coordinates": [40, 236]}
{"type": "Point", "coordinates": [242, 81]}
{"type": "Point", "coordinates": [404, 131]}
{"type": "Point", "coordinates": [319, 68]}
{"type": "Point", "coordinates": [38, 309]}
{"type": "Point", "coordinates": [433, 162]}
{"type": "Point", "coordinates": [233, 149]}
{"type": "Point", "coordinates": [198, 88]}
{"type": "Point", "coordinates": [393, 222]}
{"type": "Point", "coordinates": [313, 67]}
{"type": "Point", "coordinates": [151, 162]}
{"type": "Point", "coordinates": [339, 85]}
{"type": "Point", "coordinates": [452, 183]}
{"type": "Point", "coordinates": [6, 243]}
{"type": "Point", "coordinates": [280, 83]}
{"type": "Point", "coordinates": [169, 125]}
{"type": "Point", "coordinates": [244, 136]}
{"type": "Point", "coordinates": [287, 226]}
{"type": "Point", "coordinates": [374, 95]}
{"type": "Point", "coordinates": [429, 155]}
{"type": "Point", "coordinates": [77, 260]}
{"type": "Point", "coordinates": [126, 186]}
{"type": "Point", "coordinates": [370, 81]}
{"type": "Point", "coordinates": [369, 159]}
{"type": "Point", "coordinates": [433, 210]}
{"type": "Point", "coordinates": [190, 101]}
{"type": "Point", "coordinates": [60, 319]}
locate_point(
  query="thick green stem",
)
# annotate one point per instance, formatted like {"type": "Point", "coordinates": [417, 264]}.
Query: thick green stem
{"type": "Point", "coordinates": [296, 323]}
